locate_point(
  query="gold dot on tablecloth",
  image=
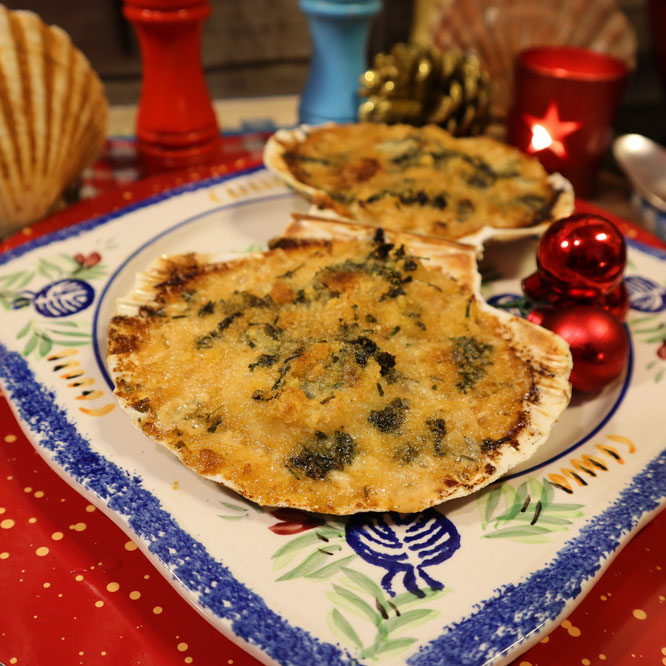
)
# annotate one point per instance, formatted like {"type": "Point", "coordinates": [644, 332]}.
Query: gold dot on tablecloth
{"type": "Point", "coordinates": [79, 577]}
{"type": "Point", "coordinates": [662, 598]}
{"type": "Point", "coordinates": [56, 536]}
{"type": "Point", "coordinates": [157, 610]}
{"type": "Point", "coordinates": [663, 650]}
{"type": "Point", "coordinates": [10, 438]}
{"type": "Point", "coordinates": [4, 556]}
{"type": "Point", "coordinates": [639, 613]}
{"type": "Point", "coordinates": [545, 640]}
{"type": "Point", "coordinates": [90, 508]}
{"type": "Point", "coordinates": [188, 660]}
{"type": "Point", "coordinates": [42, 551]}
{"type": "Point", "coordinates": [78, 527]}
{"type": "Point", "coordinates": [46, 585]}
{"type": "Point", "coordinates": [134, 595]}
{"type": "Point", "coordinates": [7, 524]}
{"type": "Point", "coordinates": [602, 656]}
{"type": "Point", "coordinates": [574, 631]}
{"type": "Point", "coordinates": [585, 662]}
{"type": "Point", "coordinates": [130, 545]}
{"type": "Point", "coordinates": [2, 510]}
{"type": "Point", "coordinates": [32, 520]}
{"type": "Point", "coordinates": [113, 587]}
{"type": "Point", "coordinates": [181, 647]}
{"type": "Point", "coordinates": [80, 653]}
{"type": "Point", "coordinates": [103, 653]}
{"type": "Point", "coordinates": [39, 494]}
{"type": "Point", "coordinates": [566, 624]}
{"type": "Point", "coordinates": [146, 577]}
{"type": "Point", "coordinates": [99, 604]}
{"type": "Point", "coordinates": [525, 663]}
{"type": "Point", "coordinates": [27, 489]}
{"type": "Point", "coordinates": [603, 597]}
{"type": "Point", "coordinates": [13, 660]}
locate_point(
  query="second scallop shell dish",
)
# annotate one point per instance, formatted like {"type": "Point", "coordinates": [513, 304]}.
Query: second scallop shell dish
{"type": "Point", "coordinates": [497, 30]}
{"type": "Point", "coordinates": [53, 116]}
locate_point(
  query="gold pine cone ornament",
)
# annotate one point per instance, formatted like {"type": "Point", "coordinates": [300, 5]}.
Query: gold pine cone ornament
{"type": "Point", "coordinates": [418, 85]}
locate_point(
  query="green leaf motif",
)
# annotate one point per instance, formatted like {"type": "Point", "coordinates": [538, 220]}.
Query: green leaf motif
{"type": "Point", "coordinates": [311, 563]}
{"type": "Point", "coordinates": [30, 346]}
{"type": "Point", "coordinates": [24, 331]}
{"type": "Point", "coordinates": [410, 618]}
{"type": "Point", "coordinates": [354, 602]}
{"type": "Point", "coordinates": [338, 621]}
{"type": "Point", "coordinates": [331, 569]}
{"type": "Point", "coordinates": [366, 584]}
{"type": "Point", "coordinates": [395, 646]}
{"type": "Point", "coordinates": [45, 345]}
{"type": "Point", "coordinates": [529, 513]}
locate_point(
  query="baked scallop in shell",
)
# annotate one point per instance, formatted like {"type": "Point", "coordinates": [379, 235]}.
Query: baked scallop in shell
{"type": "Point", "coordinates": [419, 180]}
{"type": "Point", "coordinates": [346, 369]}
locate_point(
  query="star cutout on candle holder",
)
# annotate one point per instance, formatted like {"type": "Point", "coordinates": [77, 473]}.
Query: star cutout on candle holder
{"type": "Point", "coordinates": [548, 131]}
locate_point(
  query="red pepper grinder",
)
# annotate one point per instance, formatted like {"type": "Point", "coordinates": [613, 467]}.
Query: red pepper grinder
{"type": "Point", "coordinates": [176, 125]}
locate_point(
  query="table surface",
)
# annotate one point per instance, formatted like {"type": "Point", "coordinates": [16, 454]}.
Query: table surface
{"type": "Point", "coordinates": [80, 592]}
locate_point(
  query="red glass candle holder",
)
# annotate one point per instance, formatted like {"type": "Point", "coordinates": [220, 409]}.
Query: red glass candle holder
{"type": "Point", "coordinates": [565, 101]}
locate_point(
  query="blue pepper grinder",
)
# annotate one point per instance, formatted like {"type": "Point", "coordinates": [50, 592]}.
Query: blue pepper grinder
{"type": "Point", "coordinates": [339, 32]}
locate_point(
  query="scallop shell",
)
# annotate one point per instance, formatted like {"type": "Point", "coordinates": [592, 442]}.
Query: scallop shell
{"type": "Point", "coordinates": [273, 160]}
{"type": "Point", "coordinates": [496, 30]}
{"type": "Point", "coordinates": [542, 348]}
{"type": "Point", "coordinates": [53, 116]}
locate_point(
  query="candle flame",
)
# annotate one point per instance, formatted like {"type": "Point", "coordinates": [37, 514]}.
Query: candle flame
{"type": "Point", "coordinates": [548, 131]}
{"type": "Point", "coordinates": [540, 138]}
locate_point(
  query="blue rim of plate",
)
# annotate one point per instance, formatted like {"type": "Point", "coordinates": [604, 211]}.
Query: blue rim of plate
{"type": "Point", "coordinates": [494, 627]}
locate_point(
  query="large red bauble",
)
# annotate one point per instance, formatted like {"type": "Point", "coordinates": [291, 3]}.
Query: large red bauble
{"type": "Point", "coordinates": [582, 256]}
{"type": "Point", "coordinates": [599, 342]}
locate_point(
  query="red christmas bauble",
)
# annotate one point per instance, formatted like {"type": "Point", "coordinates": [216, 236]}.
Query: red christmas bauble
{"type": "Point", "coordinates": [599, 342]}
{"type": "Point", "coordinates": [583, 256]}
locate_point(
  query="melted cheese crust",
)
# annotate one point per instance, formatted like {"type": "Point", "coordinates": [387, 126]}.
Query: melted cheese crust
{"type": "Point", "coordinates": [333, 376]}
{"type": "Point", "coordinates": [421, 180]}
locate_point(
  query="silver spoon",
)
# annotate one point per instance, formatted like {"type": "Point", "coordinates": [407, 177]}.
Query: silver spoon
{"type": "Point", "coordinates": [644, 163]}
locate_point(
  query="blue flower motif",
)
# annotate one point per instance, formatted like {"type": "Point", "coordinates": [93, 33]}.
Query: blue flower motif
{"type": "Point", "coordinates": [645, 295]}
{"type": "Point", "coordinates": [58, 299]}
{"type": "Point", "coordinates": [404, 543]}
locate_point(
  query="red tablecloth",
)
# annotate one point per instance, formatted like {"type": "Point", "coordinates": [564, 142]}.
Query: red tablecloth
{"type": "Point", "coordinates": [75, 589]}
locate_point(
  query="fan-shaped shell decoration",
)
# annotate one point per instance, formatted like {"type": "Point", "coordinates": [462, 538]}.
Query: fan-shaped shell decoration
{"type": "Point", "coordinates": [53, 116]}
{"type": "Point", "coordinates": [497, 30]}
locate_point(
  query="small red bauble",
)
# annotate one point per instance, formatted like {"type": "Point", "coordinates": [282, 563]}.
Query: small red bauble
{"type": "Point", "coordinates": [582, 256]}
{"type": "Point", "coordinates": [599, 343]}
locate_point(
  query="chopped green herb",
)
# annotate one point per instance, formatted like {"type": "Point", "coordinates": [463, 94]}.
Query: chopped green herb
{"type": "Point", "coordinates": [469, 305]}
{"type": "Point", "coordinates": [214, 425]}
{"type": "Point", "coordinates": [472, 360]}
{"type": "Point", "coordinates": [292, 272]}
{"type": "Point", "coordinates": [324, 453]}
{"type": "Point", "coordinates": [391, 417]}
{"type": "Point", "coordinates": [206, 309]}
{"type": "Point", "coordinates": [437, 429]}
{"type": "Point", "coordinates": [406, 453]}
{"type": "Point", "coordinates": [263, 361]}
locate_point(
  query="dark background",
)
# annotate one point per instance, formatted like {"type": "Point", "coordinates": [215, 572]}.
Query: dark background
{"type": "Point", "coordinates": [262, 47]}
